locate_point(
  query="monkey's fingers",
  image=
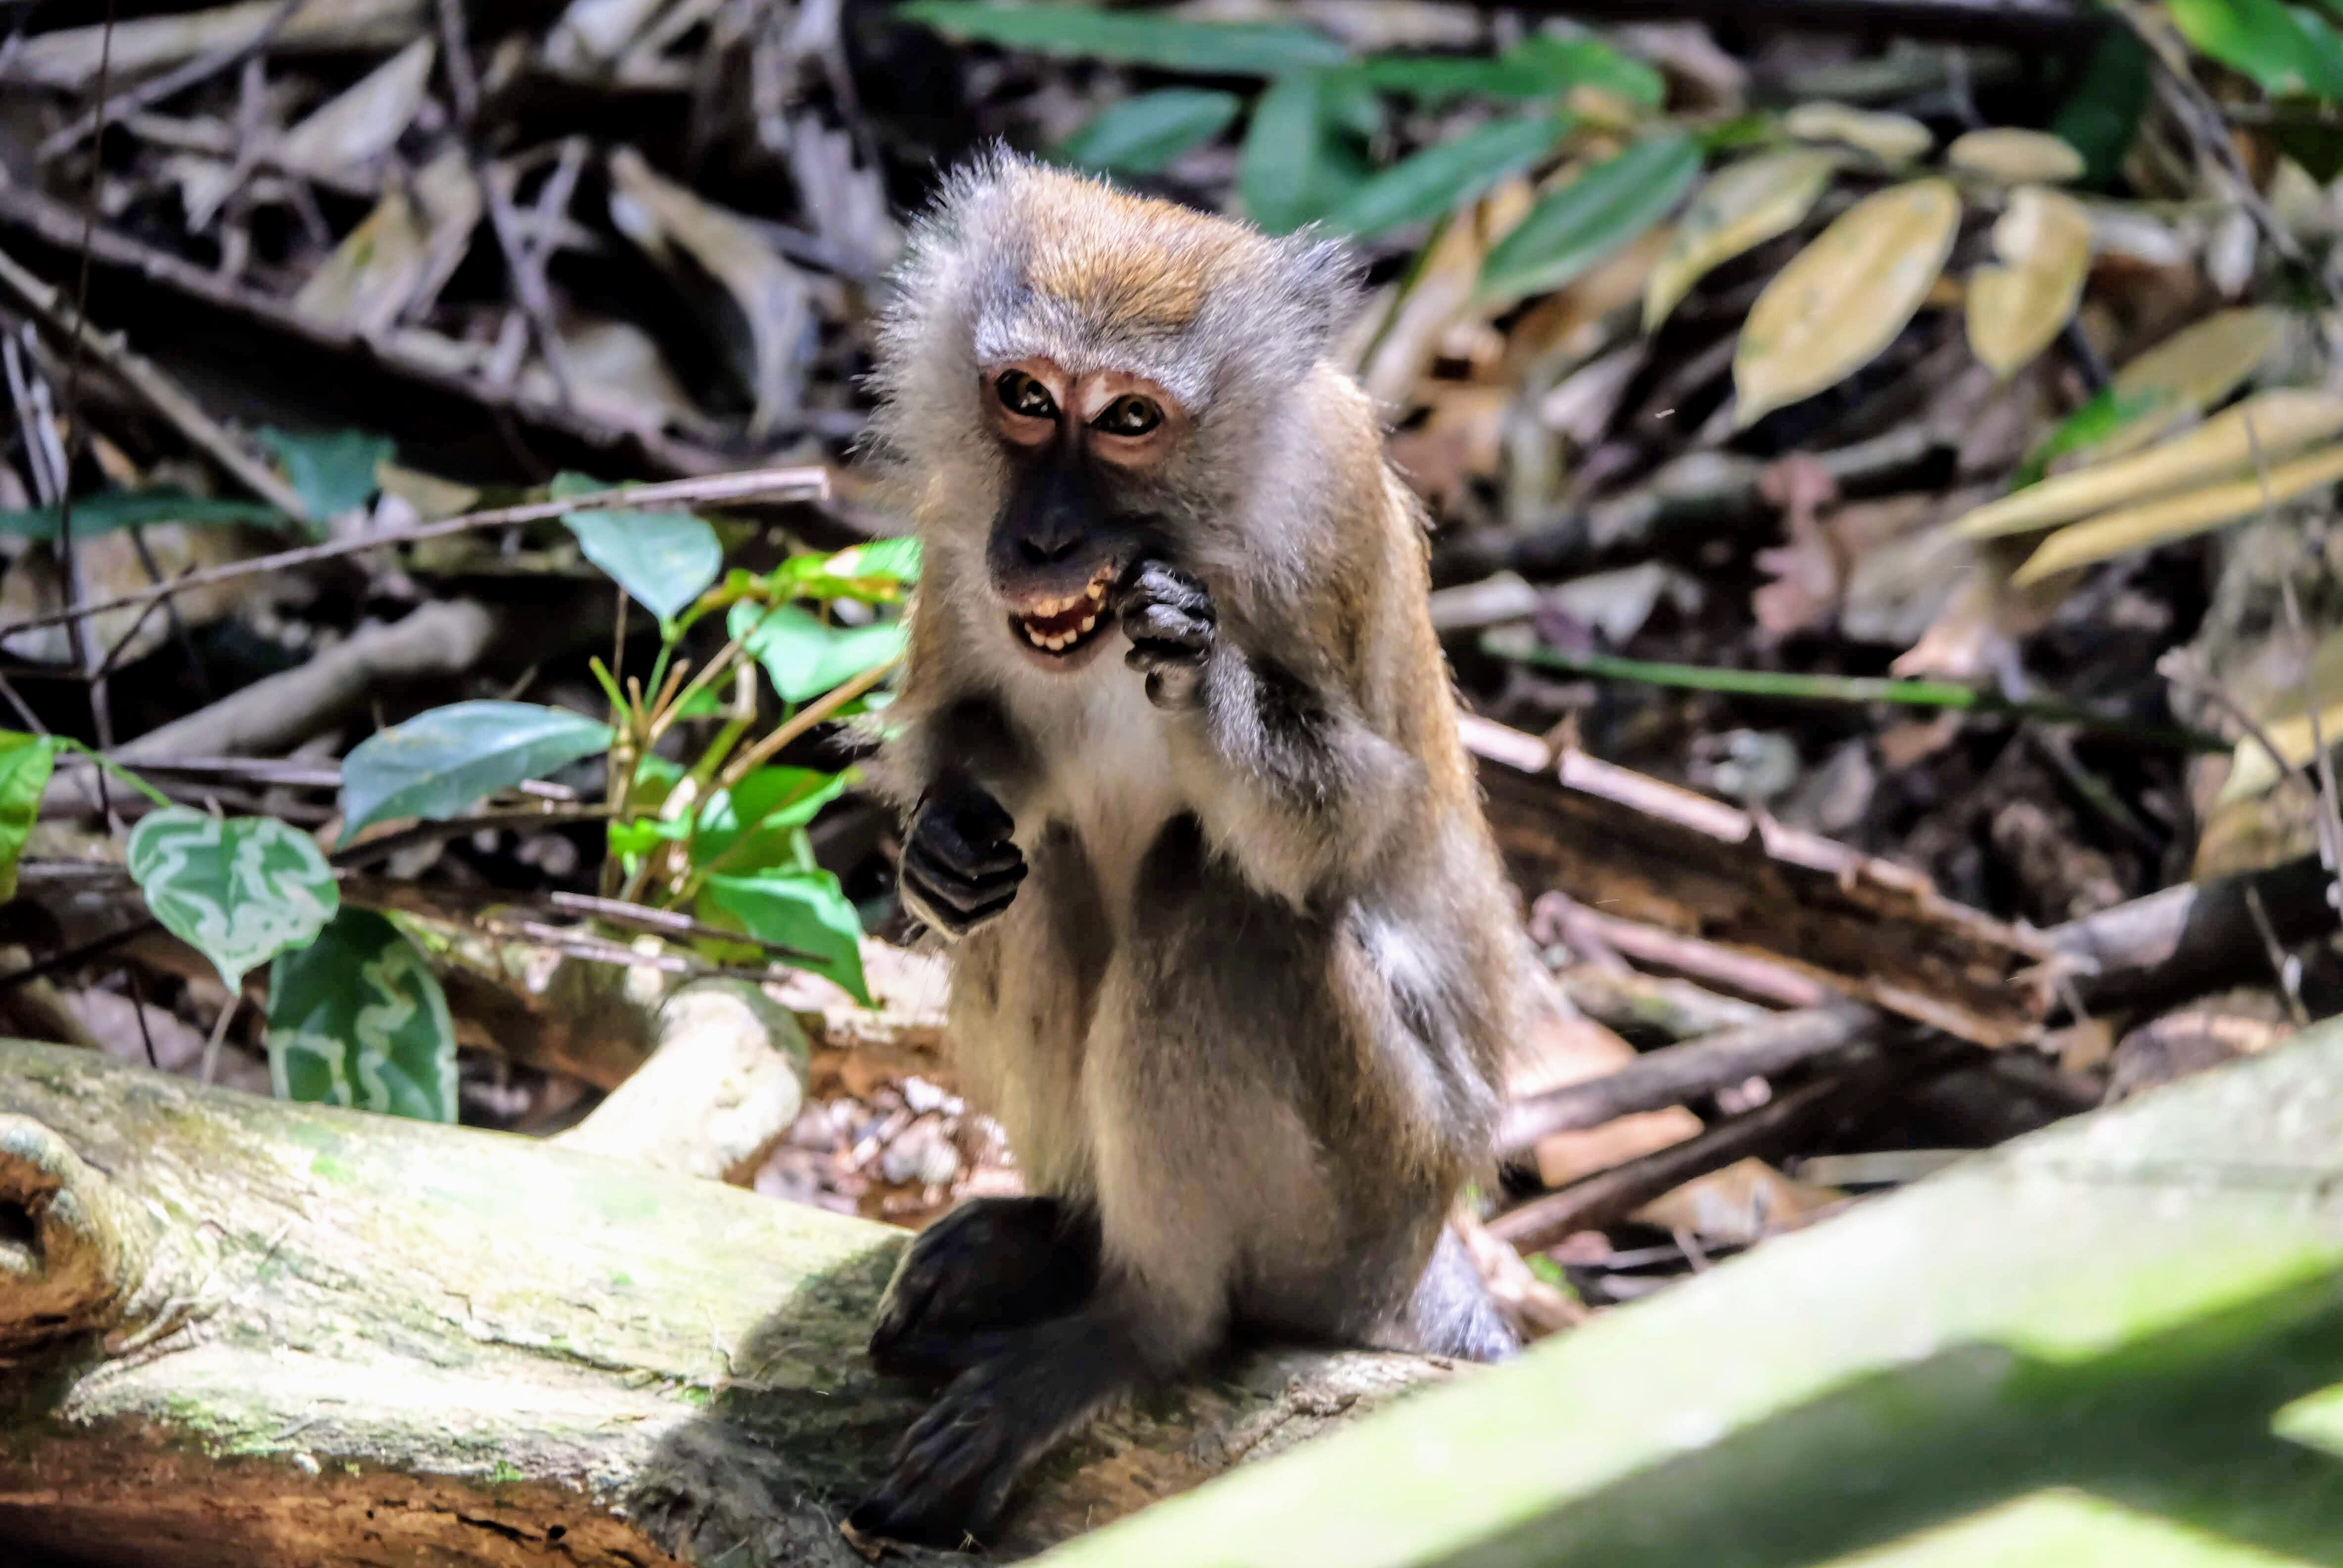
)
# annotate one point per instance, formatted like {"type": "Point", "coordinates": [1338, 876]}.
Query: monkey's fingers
{"type": "Point", "coordinates": [956, 903]}
{"type": "Point", "coordinates": [973, 853]}
{"type": "Point", "coordinates": [953, 1470]}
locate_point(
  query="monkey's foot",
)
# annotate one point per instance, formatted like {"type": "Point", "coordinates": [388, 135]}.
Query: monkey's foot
{"type": "Point", "coordinates": [990, 1265]}
{"type": "Point", "coordinates": [959, 868]}
{"type": "Point", "coordinates": [954, 1469]}
{"type": "Point", "coordinates": [1170, 621]}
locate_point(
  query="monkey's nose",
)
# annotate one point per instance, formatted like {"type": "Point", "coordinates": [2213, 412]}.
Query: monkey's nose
{"type": "Point", "coordinates": [1047, 547]}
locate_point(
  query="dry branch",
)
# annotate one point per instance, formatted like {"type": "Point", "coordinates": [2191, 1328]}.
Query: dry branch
{"type": "Point", "coordinates": [1675, 1073]}
{"type": "Point", "coordinates": [1637, 848]}
{"type": "Point", "coordinates": [243, 1334]}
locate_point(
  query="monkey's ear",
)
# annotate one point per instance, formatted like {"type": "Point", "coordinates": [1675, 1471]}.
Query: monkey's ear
{"type": "Point", "coordinates": [1319, 279]}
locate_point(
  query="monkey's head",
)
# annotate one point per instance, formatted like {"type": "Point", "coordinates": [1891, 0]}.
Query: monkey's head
{"type": "Point", "coordinates": [1071, 377]}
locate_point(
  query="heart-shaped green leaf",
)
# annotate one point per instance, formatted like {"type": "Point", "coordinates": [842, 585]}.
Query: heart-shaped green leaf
{"type": "Point", "coordinates": [664, 559]}
{"type": "Point", "coordinates": [357, 1019]}
{"type": "Point", "coordinates": [805, 910]}
{"type": "Point", "coordinates": [1140, 136]}
{"type": "Point", "coordinates": [239, 890]}
{"type": "Point", "coordinates": [805, 657]}
{"type": "Point", "coordinates": [437, 763]}
{"type": "Point", "coordinates": [331, 471]}
{"type": "Point", "coordinates": [25, 764]}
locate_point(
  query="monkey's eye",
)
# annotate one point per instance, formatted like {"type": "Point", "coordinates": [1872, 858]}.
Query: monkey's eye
{"type": "Point", "coordinates": [1020, 394]}
{"type": "Point", "coordinates": [1128, 415]}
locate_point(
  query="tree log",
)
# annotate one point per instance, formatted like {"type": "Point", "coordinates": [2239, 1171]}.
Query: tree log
{"type": "Point", "coordinates": [237, 1333]}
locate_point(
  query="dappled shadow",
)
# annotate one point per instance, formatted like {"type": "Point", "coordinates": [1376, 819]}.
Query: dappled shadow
{"type": "Point", "coordinates": [2178, 1424]}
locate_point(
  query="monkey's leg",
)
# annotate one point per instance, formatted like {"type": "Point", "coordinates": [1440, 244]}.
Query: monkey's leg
{"type": "Point", "coordinates": [990, 1265]}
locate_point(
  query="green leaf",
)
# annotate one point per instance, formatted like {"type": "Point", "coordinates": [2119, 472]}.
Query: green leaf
{"type": "Point", "coordinates": [2101, 118]}
{"type": "Point", "coordinates": [1140, 136]}
{"type": "Point", "coordinates": [769, 807]}
{"type": "Point", "coordinates": [108, 510]}
{"type": "Point", "coordinates": [357, 1019]}
{"type": "Point", "coordinates": [2106, 412]}
{"type": "Point", "coordinates": [1133, 37]}
{"type": "Point", "coordinates": [332, 471]}
{"type": "Point", "coordinates": [1302, 153]}
{"type": "Point", "coordinates": [805, 657]}
{"type": "Point", "coordinates": [2286, 51]}
{"type": "Point", "coordinates": [1441, 179]}
{"type": "Point", "coordinates": [25, 761]}
{"type": "Point", "coordinates": [437, 763]}
{"type": "Point", "coordinates": [1570, 230]}
{"type": "Point", "coordinates": [239, 890]}
{"type": "Point", "coordinates": [875, 573]}
{"type": "Point", "coordinates": [664, 559]}
{"type": "Point", "coordinates": [1540, 66]}
{"type": "Point", "coordinates": [805, 910]}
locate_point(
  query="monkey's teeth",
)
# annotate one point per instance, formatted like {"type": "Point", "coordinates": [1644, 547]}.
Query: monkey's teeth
{"type": "Point", "coordinates": [1088, 621]}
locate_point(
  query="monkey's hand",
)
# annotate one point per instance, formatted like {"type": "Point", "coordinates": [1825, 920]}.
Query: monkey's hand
{"type": "Point", "coordinates": [959, 867]}
{"type": "Point", "coordinates": [1170, 620]}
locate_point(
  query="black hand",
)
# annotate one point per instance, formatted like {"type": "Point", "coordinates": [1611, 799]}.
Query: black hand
{"type": "Point", "coordinates": [1168, 617]}
{"type": "Point", "coordinates": [959, 867]}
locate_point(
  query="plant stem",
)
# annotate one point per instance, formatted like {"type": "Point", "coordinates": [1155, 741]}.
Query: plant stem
{"type": "Point", "coordinates": [1843, 688]}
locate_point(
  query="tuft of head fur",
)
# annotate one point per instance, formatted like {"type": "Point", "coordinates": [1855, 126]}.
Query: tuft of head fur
{"type": "Point", "coordinates": [1015, 259]}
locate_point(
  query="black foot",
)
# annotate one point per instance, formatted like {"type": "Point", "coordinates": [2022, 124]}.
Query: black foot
{"type": "Point", "coordinates": [991, 1264]}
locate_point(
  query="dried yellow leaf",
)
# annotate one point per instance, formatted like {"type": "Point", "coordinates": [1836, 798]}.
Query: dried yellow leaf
{"type": "Point", "coordinates": [1893, 138]}
{"type": "Point", "coordinates": [2287, 722]}
{"type": "Point", "coordinates": [2282, 424]}
{"type": "Point", "coordinates": [2176, 517]}
{"type": "Point", "coordinates": [2006, 153]}
{"type": "Point", "coordinates": [1844, 297]}
{"type": "Point", "coordinates": [2014, 311]}
{"type": "Point", "coordinates": [2206, 361]}
{"type": "Point", "coordinates": [1743, 206]}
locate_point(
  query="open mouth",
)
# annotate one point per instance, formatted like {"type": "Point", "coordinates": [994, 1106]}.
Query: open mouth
{"type": "Point", "coordinates": [1060, 625]}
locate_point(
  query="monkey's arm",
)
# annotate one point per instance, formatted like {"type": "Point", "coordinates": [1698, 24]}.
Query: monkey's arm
{"type": "Point", "coordinates": [1314, 791]}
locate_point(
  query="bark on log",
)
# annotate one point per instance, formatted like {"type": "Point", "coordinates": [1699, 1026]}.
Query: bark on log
{"type": "Point", "coordinates": [245, 1333]}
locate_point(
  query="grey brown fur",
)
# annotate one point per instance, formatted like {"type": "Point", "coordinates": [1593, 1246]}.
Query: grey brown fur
{"type": "Point", "coordinates": [1234, 958]}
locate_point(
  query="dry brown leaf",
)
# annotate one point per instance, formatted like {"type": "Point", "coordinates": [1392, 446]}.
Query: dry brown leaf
{"type": "Point", "coordinates": [1891, 138]}
{"type": "Point", "coordinates": [1739, 1205]}
{"type": "Point", "coordinates": [353, 130]}
{"type": "Point", "coordinates": [69, 56]}
{"type": "Point", "coordinates": [404, 250]}
{"type": "Point", "coordinates": [1740, 208]}
{"type": "Point", "coordinates": [1845, 297]}
{"type": "Point", "coordinates": [2279, 423]}
{"type": "Point", "coordinates": [2176, 517]}
{"type": "Point", "coordinates": [1440, 293]}
{"type": "Point", "coordinates": [662, 217]}
{"type": "Point", "coordinates": [2016, 310]}
{"type": "Point", "coordinates": [2017, 156]}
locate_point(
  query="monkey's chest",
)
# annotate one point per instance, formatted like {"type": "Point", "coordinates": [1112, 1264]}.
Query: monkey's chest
{"type": "Point", "coordinates": [1115, 779]}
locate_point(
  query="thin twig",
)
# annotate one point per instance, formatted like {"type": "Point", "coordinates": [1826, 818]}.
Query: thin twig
{"type": "Point", "coordinates": [794, 484]}
{"type": "Point", "coordinates": [161, 393]}
{"type": "Point", "coordinates": [814, 713]}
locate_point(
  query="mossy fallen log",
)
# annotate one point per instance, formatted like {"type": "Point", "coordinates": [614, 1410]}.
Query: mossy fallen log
{"type": "Point", "coordinates": [239, 1333]}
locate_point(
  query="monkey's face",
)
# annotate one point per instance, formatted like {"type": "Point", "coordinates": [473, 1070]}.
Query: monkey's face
{"type": "Point", "coordinates": [1083, 454]}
